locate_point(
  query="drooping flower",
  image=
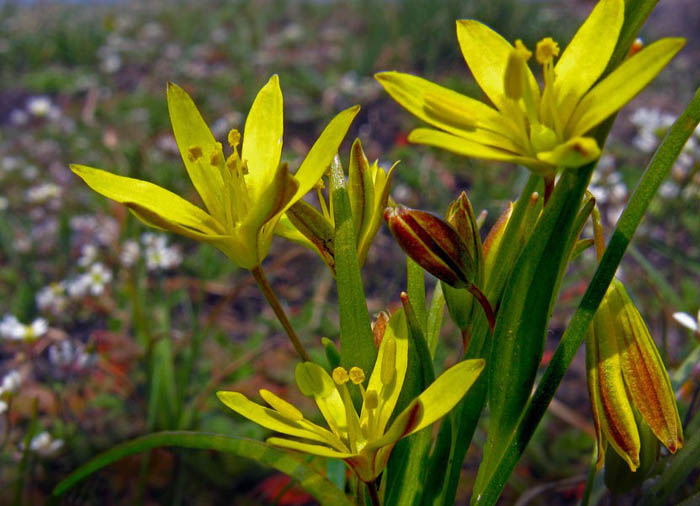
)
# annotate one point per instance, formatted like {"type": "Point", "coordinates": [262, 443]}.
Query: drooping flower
{"type": "Point", "coordinates": [626, 377]}
{"type": "Point", "coordinates": [541, 129]}
{"type": "Point", "coordinates": [244, 194]}
{"type": "Point", "coordinates": [364, 441]}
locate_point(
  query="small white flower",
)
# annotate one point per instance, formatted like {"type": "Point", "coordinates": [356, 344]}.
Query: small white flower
{"type": "Point", "coordinates": [78, 287]}
{"type": "Point", "coordinates": [130, 253]}
{"type": "Point", "coordinates": [10, 383]}
{"type": "Point", "coordinates": [12, 328]}
{"type": "Point", "coordinates": [3, 407]}
{"type": "Point", "coordinates": [43, 192]}
{"type": "Point", "coordinates": [39, 106]}
{"type": "Point", "coordinates": [88, 255]}
{"type": "Point", "coordinates": [98, 276]}
{"type": "Point", "coordinates": [53, 298]}
{"type": "Point", "coordinates": [688, 321]}
{"type": "Point", "coordinates": [45, 445]}
{"type": "Point", "coordinates": [3, 203]}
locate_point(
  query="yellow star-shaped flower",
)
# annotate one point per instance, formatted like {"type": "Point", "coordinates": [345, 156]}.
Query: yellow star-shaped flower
{"type": "Point", "coordinates": [245, 195]}
{"type": "Point", "coordinates": [541, 129]}
{"type": "Point", "coordinates": [364, 441]}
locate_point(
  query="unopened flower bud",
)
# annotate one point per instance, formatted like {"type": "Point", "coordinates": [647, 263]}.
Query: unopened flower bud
{"type": "Point", "coordinates": [434, 244]}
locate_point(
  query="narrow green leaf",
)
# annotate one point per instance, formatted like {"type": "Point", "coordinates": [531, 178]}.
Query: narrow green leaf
{"type": "Point", "coordinates": [435, 314]}
{"type": "Point", "coordinates": [657, 170]}
{"type": "Point", "coordinates": [323, 490]}
{"type": "Point", "coordinates": [356, 338]}
{"type": "Point", "coordinates": [415, 286]}
{"type": "Point", "coordinates": [468, 411]}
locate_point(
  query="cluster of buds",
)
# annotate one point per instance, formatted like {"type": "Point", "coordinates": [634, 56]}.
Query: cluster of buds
{"type": "Point", "coordinates": [627, 381]}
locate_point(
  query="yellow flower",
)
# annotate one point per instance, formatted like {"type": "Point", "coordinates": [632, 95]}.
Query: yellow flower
{"type": "Point", "coordinates": [541, 129]}
{"type": "Point", "coordinates": [363, 441]}
{"type": "Point", "coordinates": [626, 376]}
{"type": "Point", "coordinates": [244, 195]}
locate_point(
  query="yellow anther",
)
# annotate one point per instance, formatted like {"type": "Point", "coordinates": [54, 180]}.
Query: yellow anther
{"type": "Point", "coordinates": [371, 399]}
{"type": "Point", "coordinates": [546, 51]}
{"type": "Point", "coordinates": [281, 406]}
{"type": "Point", "coordinates": [388, 370]}
{"type": "Point", "coordinates": [357, 375]}
{"type": "Point", "coordinates": [216, 158]}
{"type": "Point", "coordinates": [234, 138]}
{"type": "Point", "coordinates": [514, 78]}
{"type": "Point", "coordinates": [194, 153]}
{"type": "Point", "coordinates": [340, 375]}
{"type": "Point", "coordinates": [319, 185]}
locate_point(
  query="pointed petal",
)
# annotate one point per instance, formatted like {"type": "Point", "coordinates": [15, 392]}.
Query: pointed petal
{"type": "Point", "coordinates": [446, 391]}
{"type": "Point", "coordinates": [469, 148]}
{"type": "Point", "coordinates": [616, 413]}
{"type": "Point", "coordinates": [360, 188]}
{"type": "Point", "coordinates": [321, 451]}
{"type": "Point", "coordinates": [308, 227]}
{"type": "Point", "coordinates": [647, 381]}
{"type": "Point", "coordinates": [314, 381]}
{"type": "Point", "coordinates": [447, 110]}
{"type": "Point", "coordinates": [388, 394]}
{"type": "Point", "coordinates": [592, 359]}
{"type": "Point", "coordinates": [587, 55]}
{"type": "Point", "coordinates": [169, 206]}
{"type": "Point", "coordinates": [280, 190]}
{"type": "Point", "coordinates": [273, 420]}
{"type": "Point", "coordinates": [622, 85]}
{"type": "Point", "coordinates": [486, 54]}
{"type": "Point", "coordinates": [322, 152]}
{"type": "Point", "coordinates": [573, 153]}
{"type": "Point", "coordinates": [191, 132]}
{"type": "Point", "coordinates": [262, 138]}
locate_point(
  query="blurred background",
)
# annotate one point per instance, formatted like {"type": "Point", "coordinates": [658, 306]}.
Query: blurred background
{"type": "Point", "coordinates": [87, 292]}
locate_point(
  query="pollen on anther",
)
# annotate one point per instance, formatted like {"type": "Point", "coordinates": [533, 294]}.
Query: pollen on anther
{"type": "Point", "coordinates": [234, 137]}
{"type": "Point", "coordinates": [546, 50]}
{"type": "Point", "coordinates": [340, 375]}
{"type": "Point", "coordinates": [357, 375]}
{"type": "Point", "coordinates": [194, 153]}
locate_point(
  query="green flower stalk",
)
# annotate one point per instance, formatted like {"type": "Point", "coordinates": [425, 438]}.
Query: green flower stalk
{"type": "Point", "coordinates": [542, 129]}
{"type": "Point", "coordinates": [363, 440]}
{"type": "Point", "coordinates": [244, 195]}
{"type": "Point", "coordinates": [626, 376]}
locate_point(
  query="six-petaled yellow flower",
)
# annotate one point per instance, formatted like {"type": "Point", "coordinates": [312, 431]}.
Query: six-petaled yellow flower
{"type": "Point", "coordinates": [245, 194]}
{"type": "Point", "coordinates": [363, 441]}
{"type": "Point", "coordinates": [540, 129]}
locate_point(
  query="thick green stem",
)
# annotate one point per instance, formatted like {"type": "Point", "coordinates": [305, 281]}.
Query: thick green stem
{"type": "Point", "coordinates": [266, 289]}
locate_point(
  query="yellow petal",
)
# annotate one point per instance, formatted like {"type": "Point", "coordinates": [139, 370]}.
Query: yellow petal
{"type": "Point", "coordinates": [486, 54]}
{"type": "Point", "coordinates": [396, 331]}
{"type": "Point", "coordinates": [645, 375]}
{"type": "Point", "coordinates": [273, 420]}
{"type": "Point", "coordinates": [622, 85]}
{"type": "Point", "coordinates": [191, 132]}
{"type": "Point", "coordinates": [279, 192]}
{"type": "Point", "coordinates": [446, 391]}
{"type": "Point", "coordinates": [322, 152]}
{"type": "Point", "coordinates": [169, 206]}
{"type": "Point", "coordinates": [314, 381]}
{"type": "Point", "coordinates": [469, 148]}
{"type": "Point", "coordinates": [436, 105]}
{"type": "Point", "coordinates": [286, 229]}
{"type": "Point", "coordinates": [616, 414]}
{"type": "Point", "coordinates": [262, 138]}
{"type": "Point", "coordinates": [587, 55]}
{"type": "Point", "coordinates": [321, 451]}
{"type": "Point", "coordinates": [573, 153]}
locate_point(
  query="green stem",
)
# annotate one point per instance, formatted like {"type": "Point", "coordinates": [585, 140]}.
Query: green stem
{"type": "Point", "coordinates": [656, 172]}
{"type": "Point", "coordinates": [590, 477]}
{"type": "Point", "coordinates": [266, 289]}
